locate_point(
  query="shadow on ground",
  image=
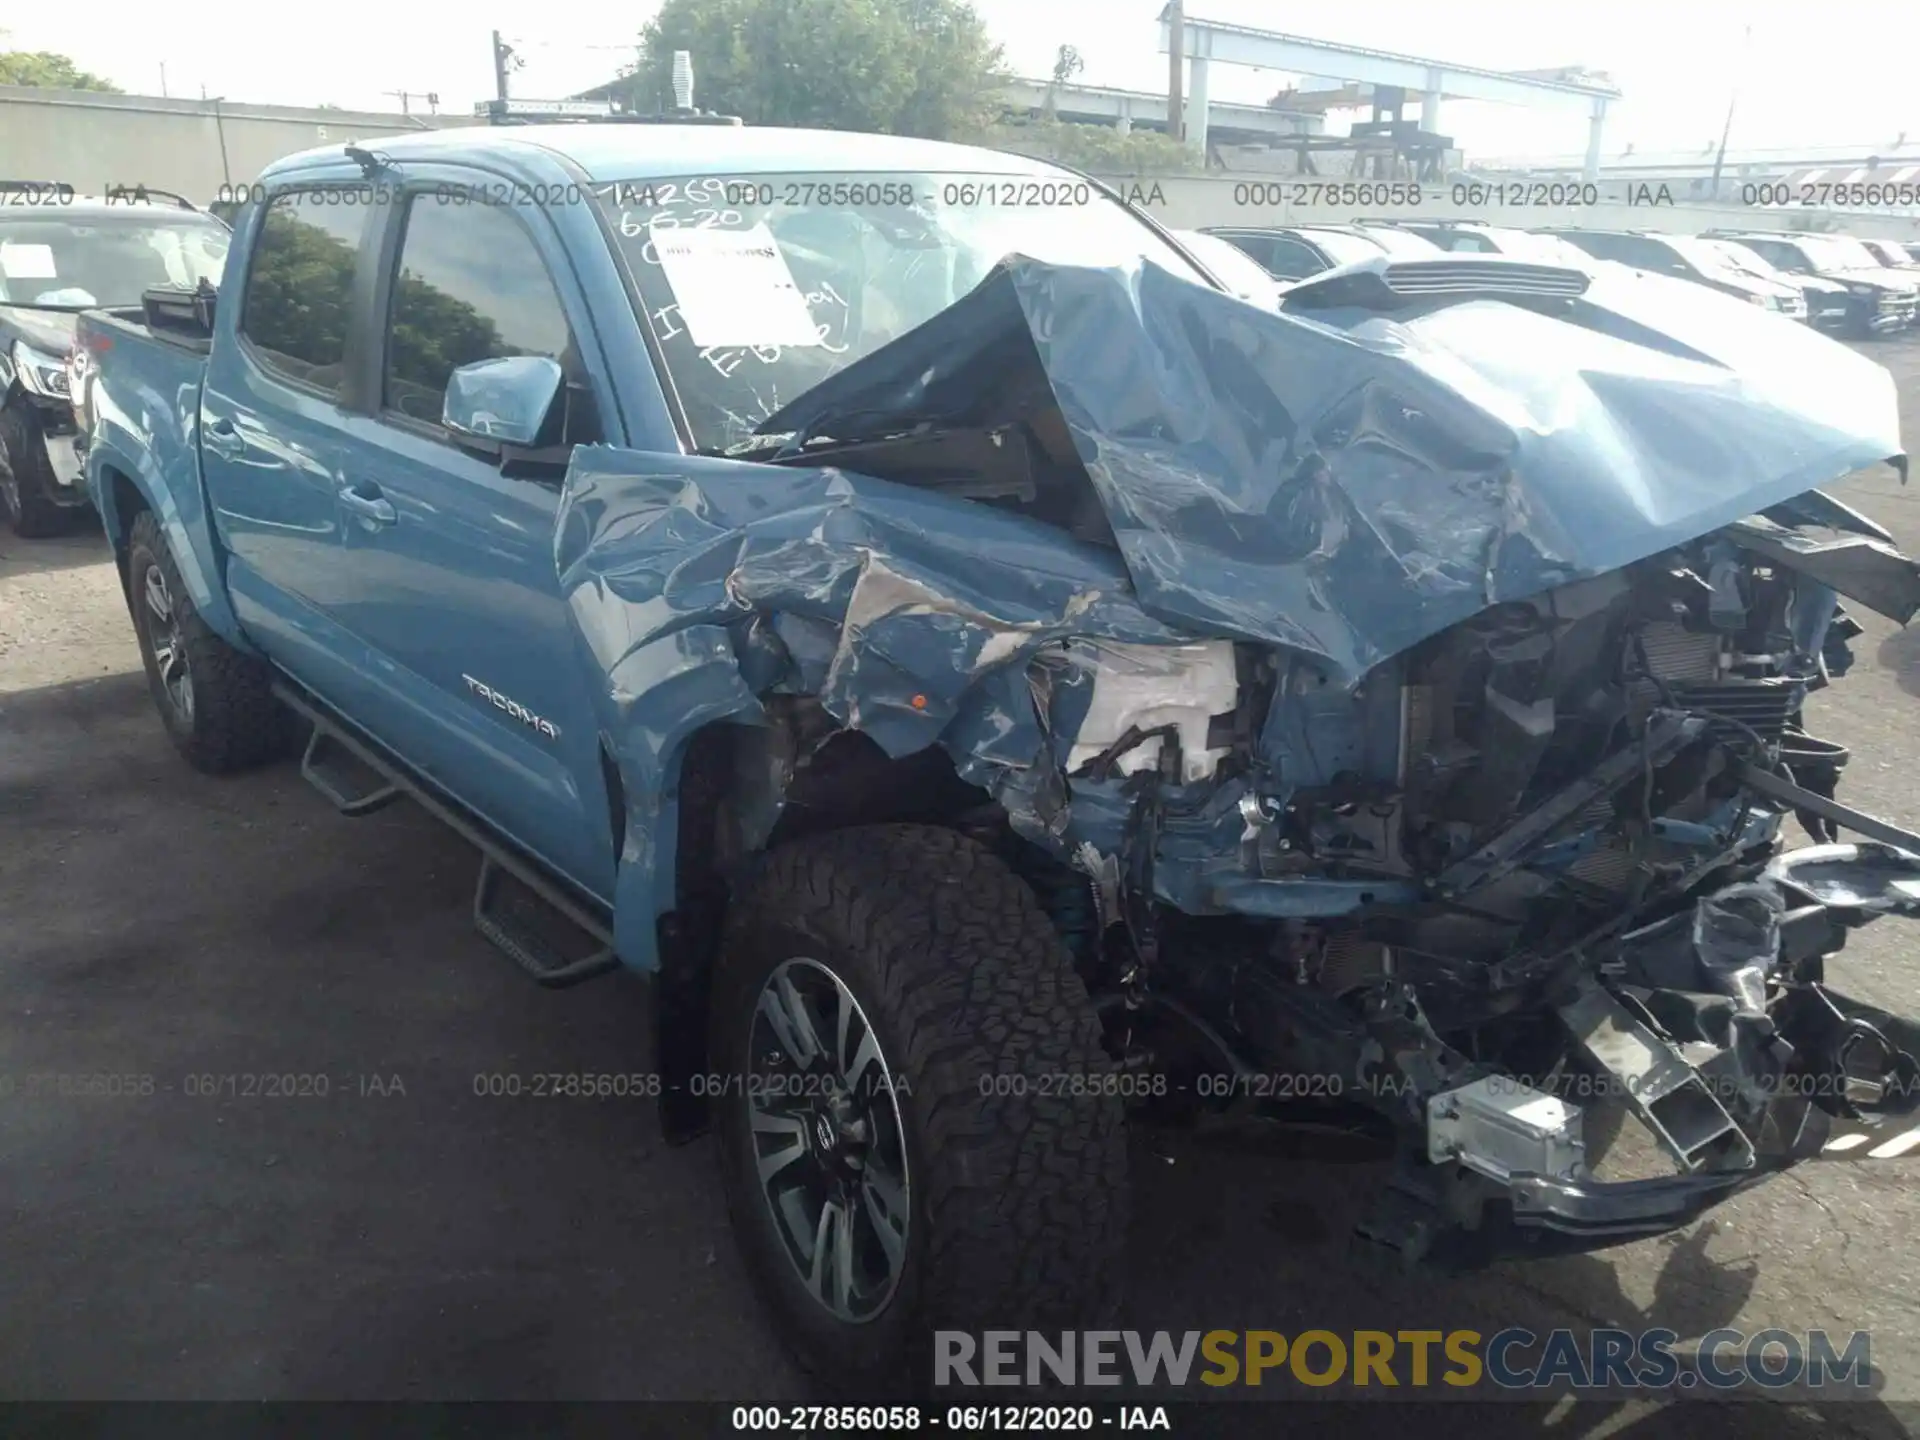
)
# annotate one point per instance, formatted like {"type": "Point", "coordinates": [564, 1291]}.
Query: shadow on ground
{"type": "Point", "coordinates": [84, 546]}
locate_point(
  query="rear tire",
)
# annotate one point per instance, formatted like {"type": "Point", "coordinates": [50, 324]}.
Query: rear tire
{"type": "Point", "coordinates": [1014, 1178]}
{"type": "Point", "coordinates": [216, 702]}
{"type": "Point", "coordinates": [26, 481]}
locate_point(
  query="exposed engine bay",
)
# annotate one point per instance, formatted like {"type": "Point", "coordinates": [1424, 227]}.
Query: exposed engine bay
{"type": "Point", "coordinates": [1539, 861]}
{"type": "Point", "coordinates": [1368, 740]}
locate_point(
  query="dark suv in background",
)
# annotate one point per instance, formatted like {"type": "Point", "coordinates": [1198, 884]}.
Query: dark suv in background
{"type": "Point", "coordinates": [60, 253]}
{"type": "Point", "coordinates": [1879, 300]}
{"type": "Point", "coordinates": [1894, 256]}
{"type": "Point", "coordinates": [1686, 257]}
{"type": "Point", "coordinates": [1827, 300]}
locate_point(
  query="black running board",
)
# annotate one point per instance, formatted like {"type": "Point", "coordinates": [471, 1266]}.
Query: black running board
{"type": "Point", "coordinates": [355, 787]}
{"type": "Point", "coordinates": [517, 928]}
{"type": "Point", "coordinates": [521, 911]}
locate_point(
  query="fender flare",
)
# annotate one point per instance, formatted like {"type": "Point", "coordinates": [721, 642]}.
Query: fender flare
{"type": "Point", "coordinates": [184, 520]}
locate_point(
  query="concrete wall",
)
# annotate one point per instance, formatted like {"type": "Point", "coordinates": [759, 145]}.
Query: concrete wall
{"type": "Point", "coordinates": [91, 141]}
{"type": "Point", "coordinates": [194, 146]}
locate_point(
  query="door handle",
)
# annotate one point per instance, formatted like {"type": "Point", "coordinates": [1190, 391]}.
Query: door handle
{"type": "Point", "coordinates": [374, 508]}
{"type": "Point", "coordinates": [223, 439]}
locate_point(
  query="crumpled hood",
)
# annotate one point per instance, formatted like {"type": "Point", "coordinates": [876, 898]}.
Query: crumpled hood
{"type": "Point", "coordinates": [1347, 482]}
{"type": "Point", "coordinates": [1342, 482]}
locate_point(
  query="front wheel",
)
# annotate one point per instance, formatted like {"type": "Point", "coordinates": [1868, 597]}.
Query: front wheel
{"type": "Point", "coordinates": [896, 1033]}
{"type": "Point", "coordinates": [26, 480]}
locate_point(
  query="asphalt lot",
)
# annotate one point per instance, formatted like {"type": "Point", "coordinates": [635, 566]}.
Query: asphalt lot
{"type": "Point", "coordinates": [404, 1237]}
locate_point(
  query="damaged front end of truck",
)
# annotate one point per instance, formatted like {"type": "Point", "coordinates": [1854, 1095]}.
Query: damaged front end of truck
{"type": "Point", "coordinates": [1398, 701]}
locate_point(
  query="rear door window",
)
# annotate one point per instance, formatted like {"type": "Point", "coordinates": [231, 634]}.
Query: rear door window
{"type": "Point", "coordinates": [1256, 247]}
{"type": "Point", "coordinates": [296, 307]}
{"type": "Point", "coordinates": [1292, 260]}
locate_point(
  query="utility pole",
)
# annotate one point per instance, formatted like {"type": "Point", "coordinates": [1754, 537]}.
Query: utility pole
{"type": "Point", "coordinates": [1176, 43]}
{"type": "Point", "coordinates": [502, 53]}
{"type": "Point", "coordinates": [163, 80]}
{"type": "Point", "coordinates": [1720, 157]}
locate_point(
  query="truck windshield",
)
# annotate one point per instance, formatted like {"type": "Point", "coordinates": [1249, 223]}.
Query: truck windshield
{"type": "Point", "coordinates": [1745, 261]}
{"type": "Point", "coordinates": [77, 262]}
{"type": "Point", "coordinates": [758, 287]}
{"type": "Point", "coordinates": [1540, 249]}
{"type": "Point", "coordinates": [1837, 252]}
{"type": "Point", "coordinates": [1704, 254]}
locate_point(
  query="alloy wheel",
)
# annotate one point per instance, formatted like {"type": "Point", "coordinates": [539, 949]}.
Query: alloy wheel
{"type": "Point", "coordinates": [169, 645]}
{"type": "Point", "coordinates": [828, 1142]}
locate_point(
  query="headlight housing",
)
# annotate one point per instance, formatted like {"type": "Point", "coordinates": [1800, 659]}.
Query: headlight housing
{"type": "Point", "coordinates": [1140, 690]}
{"type": "Point", "coordinates": [38, 372]}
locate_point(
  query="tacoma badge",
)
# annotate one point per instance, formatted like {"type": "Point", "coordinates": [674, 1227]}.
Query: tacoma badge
{"type": "Point", "coordinates": [513, 707]}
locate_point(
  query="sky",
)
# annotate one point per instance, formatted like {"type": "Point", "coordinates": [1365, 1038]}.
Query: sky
{"type": "Point", "coordinates": [1841, 73]}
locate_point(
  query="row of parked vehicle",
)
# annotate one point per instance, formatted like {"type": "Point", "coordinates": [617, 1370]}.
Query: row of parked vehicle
{"type": "Point", "coordinates": [1854, 287]}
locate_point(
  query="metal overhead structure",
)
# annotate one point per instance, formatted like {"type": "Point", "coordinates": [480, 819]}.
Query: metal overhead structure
{"type": "Point", "coordinates": [1147, 109]}
{"type": "Point", "coordinates": [1381, 78]}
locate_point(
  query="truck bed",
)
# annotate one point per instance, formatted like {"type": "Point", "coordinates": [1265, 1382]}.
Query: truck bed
{"type": "Point", "coordinates": [140, 409]}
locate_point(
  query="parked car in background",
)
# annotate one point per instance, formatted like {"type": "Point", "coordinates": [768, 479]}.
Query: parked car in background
{"type": "Point", "coordinates": [1232, 267]}
{"type": "Point", "coordinates": [1826, 300]}
{"type": "Point", "coordinates": [1466, 237]}
{"type": "Point", "coordinates": [1893, 256]}
{"type": "Point", "coordinates": [61, 253]}
{"type": "Point", "coordinates": [1912, 248]}
{"type": "Point", "coordinates": [1400, 243]}
{"type": "Point", "coordinates": [1294, 252]}
{"type": "Point", "coordinates": [1878, 300]}
{"type": "Point", "coordinates": [1686, 257]}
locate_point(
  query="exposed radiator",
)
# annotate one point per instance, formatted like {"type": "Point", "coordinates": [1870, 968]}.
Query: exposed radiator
{"type": "Point", "coordinates": [1763, 706]}
{"type": "Point", "coordinates": [1675, 653]}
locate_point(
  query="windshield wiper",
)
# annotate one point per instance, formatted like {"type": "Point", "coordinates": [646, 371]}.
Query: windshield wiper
{"type": "Point", "coordinates": [743, 449]}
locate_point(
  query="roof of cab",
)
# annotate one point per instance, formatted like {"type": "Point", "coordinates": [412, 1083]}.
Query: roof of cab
{"type": "Point", "coordinates": [664, 152]}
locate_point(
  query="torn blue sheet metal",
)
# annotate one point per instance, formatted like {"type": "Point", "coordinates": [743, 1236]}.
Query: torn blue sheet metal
{"type": "Point", "coordinates": [1347, 482]}
{"type": "Point", "coordinates": [1344, 485]}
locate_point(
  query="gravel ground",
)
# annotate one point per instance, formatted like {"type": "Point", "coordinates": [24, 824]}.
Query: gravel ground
{"type": "Point", "coordinates": [405, 1238]}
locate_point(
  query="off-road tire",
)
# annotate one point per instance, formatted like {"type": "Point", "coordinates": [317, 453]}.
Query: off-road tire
{"type": "Point", "coordinates": [235, 722]}
{"type": "Point", "coordinates": [1018, 1202]}
{"type": "Point", "coordinates": [26, 492]}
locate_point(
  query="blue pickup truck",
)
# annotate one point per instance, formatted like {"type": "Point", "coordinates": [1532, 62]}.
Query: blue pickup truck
{"type": "Point", "coordinates": [998, 683]}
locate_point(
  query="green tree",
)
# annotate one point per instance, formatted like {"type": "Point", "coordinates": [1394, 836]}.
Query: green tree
{"type": "Point", "coordinates": [45, 70]}
{"type": "Point", "coordinates": [901, 67]}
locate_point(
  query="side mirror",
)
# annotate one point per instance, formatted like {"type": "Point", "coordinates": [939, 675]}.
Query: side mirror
{"type": "Point", "coordinates": [505, 401]}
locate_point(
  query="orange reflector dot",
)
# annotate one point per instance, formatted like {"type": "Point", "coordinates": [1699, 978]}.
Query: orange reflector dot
{"type": "Point", "coordinates": [919, 702]}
